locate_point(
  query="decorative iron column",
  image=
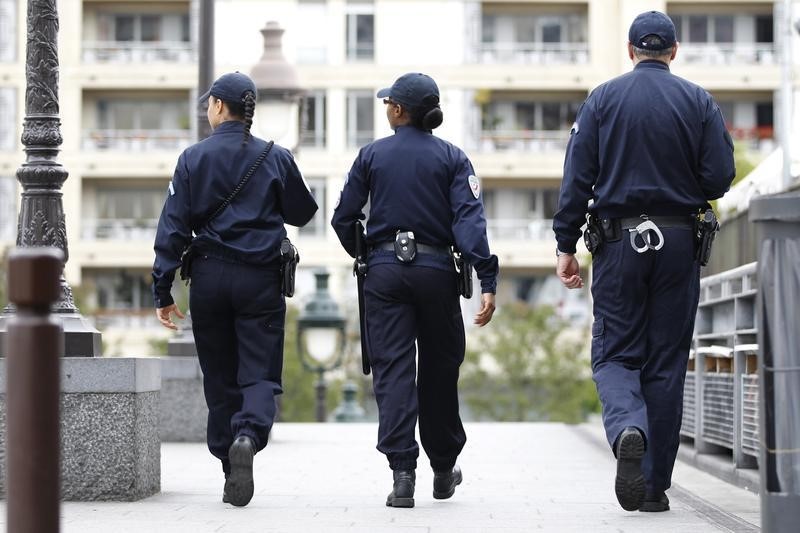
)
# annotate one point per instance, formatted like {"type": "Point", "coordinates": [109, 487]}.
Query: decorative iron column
{"type": "Point", "coordinates": [41, 218]}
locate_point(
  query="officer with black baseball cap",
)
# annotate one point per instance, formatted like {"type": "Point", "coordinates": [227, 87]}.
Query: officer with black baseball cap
{"type": "Point", "coordinates": [424, 198]}
{"type": "Point", "coordinates": [230, 196]}
{"type": "Point", "coordinates": [649, 150]}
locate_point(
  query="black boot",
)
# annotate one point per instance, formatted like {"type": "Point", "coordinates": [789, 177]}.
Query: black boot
{"type": "Point", "coordinates": [629, 484]}
{"type": "Point", "coordinates": [655, 502]}
{"type": "Point", "coordinates": [239, 485]}
{"type": "Point", "coordinates": [402, 494]}
{"type": "Point", "coordinates": [444, 483]}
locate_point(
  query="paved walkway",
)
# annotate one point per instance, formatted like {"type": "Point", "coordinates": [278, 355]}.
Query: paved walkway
{"type": "Point", "coordinates": [329, 478]}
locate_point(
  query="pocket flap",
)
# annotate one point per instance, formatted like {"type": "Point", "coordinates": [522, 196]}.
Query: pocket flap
{"type": "Point", "coordinates": [598, 327]}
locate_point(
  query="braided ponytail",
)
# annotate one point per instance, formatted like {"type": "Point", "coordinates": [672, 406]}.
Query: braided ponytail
{"type": "Point", "coordinates": [249, 105]}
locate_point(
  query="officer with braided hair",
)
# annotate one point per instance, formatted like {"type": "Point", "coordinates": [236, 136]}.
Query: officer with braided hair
{"type": "Point", "coordinates": [237, 306]}
{"type": "Point", "coordinates": [424, 198]}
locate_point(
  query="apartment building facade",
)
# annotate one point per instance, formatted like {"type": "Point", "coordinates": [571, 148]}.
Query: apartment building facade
{"type": "Point", "coordinates": [512, 75]}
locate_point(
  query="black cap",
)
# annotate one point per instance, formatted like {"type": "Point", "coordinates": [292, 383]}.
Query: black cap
{"type": "Point", "coordinates": [412, 89]}
{"type": "Point", "coordinates": [230, 87]}
{"type": "Point", "coordinates": [652, 23]}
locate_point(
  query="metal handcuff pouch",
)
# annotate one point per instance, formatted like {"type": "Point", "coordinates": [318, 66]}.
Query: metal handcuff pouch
{"type": "Point", "coordinates": [405, 246]}
{"type": "Point", "coordinates": [289, 259]}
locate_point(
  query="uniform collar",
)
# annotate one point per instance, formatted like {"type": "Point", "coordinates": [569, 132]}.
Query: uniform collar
{"type": "Point", "coordinates": [406, 128]}
{"type": "Point", "coordinates": [651, 64]}
{"type": "Point", "coordinates": [229, 126]}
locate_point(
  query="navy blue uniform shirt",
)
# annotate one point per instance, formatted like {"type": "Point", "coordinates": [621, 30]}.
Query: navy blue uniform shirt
{"type": "Point", "coordinates": [645, 142]}
{"type": "Point", "coordinates": [417, 182]}
{"type": "Point", "coordinates": [250, 229]}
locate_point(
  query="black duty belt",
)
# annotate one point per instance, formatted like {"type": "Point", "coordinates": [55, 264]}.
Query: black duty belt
{"type": "Point", "coordinates": [669, 221]}
{"type": "Point", "coordinates": [422, 248]}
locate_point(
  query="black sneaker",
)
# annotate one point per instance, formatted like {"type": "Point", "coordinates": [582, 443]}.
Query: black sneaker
{"type": "Point", "coordinates": [629, 484]}
{"type": "Point", "coordinates": [655, 502]}
{"type": "Point", "coordinates": [239, 485]}
{"type": "Point", "coordinates": [402, 494]}
{"type": "Point", "coordinates": [444, 483]}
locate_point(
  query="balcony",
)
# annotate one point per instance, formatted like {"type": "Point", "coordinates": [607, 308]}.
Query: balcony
{"type": "Point", "coordinates": [535, 53]}
{"type": "Point", "coordinates": [533, 141]}
{"type": "Point", "coordinates": [728, 54]}
{"type": "Point", "coordinates": [136, 140]}
{"type": "Point", "coordinates": [119, 229]}
{"type": "Point", "coordinates": [504, 229]}
{"type": "Point", "coordinates": [139, 52]}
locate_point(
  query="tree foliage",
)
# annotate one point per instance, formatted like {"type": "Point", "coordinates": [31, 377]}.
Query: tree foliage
{"type": "Point", "coordinates": [528, 366]}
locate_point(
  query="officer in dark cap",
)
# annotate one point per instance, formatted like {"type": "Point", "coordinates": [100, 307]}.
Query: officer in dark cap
{"type": "Point", "coordinates": [424, 197]}
{"type": "Point", "coordinates": [236, 303]}
{"type": "Point", "coordinates": [648, 150]}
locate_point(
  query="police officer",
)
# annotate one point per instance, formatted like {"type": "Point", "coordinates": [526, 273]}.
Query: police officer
{"type": "Point", "coordinates": [237, 307]}
{"type": "Point", "coordinates": [423, 195]}
{"type": "Point", "coordinates": [649, 150]}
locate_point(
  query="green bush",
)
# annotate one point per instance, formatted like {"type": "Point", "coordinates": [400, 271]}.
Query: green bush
{"type": "Point", "coordinates": [529, 366]}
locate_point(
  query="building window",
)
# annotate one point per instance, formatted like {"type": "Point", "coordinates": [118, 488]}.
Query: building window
{"type": "Point", "coordinates": [530, 35]}
{"type": "Point", "coordinates": [520, 214]}
{"type": "Point", "coordinates": [8, 208]}
{"type": "Point", "coordinates": [318, 224]}
{"type": "Point", "coordinates": [140, 124]}
{"type": "Point", "coordinates": [360, 30]}
{"type": "Point", "coordinates": [313, 122]}
{"type": "Point", "coordinates": [8, 33]}
{"type": "Point", "coordinates": [360, 118]}
{"type": "Point", "coordinates": [312, 46]}
{"type": "Point", "coordinates": [8, 118]}
{"type": "Point", "coordinates": [122, 213]}
{"type": "Point", "coordinates": [129, 37]}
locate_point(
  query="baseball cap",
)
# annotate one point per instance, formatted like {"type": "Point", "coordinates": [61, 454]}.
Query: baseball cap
{"type": "Point", "coordinates": [413, 89]}
{"type": "Point", "coordinates": [230, 87]}
{"type": "Point", "coordinates": [652, 23]}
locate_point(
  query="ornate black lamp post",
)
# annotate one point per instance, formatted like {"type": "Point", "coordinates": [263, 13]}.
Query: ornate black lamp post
{"type": "Point", "coordinates": [320, 337]}
{"type": "Point", "coordinates": [41, 219]}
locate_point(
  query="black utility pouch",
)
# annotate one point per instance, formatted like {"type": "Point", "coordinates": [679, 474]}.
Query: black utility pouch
{"type": "Point", "coordinates": [187, 256]}
{"type": "Point", "coordinates": [707, 227]}
{"type": "Point", "coordinates": [612, 229]}
{"type": "Point", "coordinates": [289, 259]}
{"type": "Point", "coordinates": [463, 274]}
{"type": "Point", "coordinates": [593, 234]}
{"type": "Point", "coordinates": [405, 246]}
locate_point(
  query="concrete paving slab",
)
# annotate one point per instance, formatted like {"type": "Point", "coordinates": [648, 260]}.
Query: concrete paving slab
{"type": "Point", "coordinates": [329, 478]}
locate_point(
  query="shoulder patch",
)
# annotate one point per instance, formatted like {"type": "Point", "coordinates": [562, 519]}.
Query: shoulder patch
{"type": "Point", "coordinates": [171, 189]}
{"type": "Point", "coordinates": [474, 185]}
{"type": "Point", "coordinates": [575, 128]}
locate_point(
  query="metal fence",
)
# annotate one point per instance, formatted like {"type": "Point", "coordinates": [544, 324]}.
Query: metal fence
{"type": "Point", "coordinates": [720, 404]}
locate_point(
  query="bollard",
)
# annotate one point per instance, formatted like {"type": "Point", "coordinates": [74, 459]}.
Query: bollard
{"type": "Point", "coordinates": [779, 364]}
{"type": "Point", "coordinates": [33, 390]}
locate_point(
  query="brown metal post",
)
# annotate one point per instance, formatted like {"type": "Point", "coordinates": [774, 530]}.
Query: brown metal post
{"type": "Point", "coordinates": [35, 342]}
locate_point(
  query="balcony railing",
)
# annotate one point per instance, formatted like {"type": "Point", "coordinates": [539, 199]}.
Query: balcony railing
{"type": "Point", "coordinates": [528, 140]}
{"type": "Point", "coordinates": [136, 140]}
{"type": "Point", "coordinates": [520, 229]}
{"type": "Point", "coordinates": [142, 229]}
{"type": "Point", "coordinates": [139, 52]}
{"type": "Point", "coordinates": [534, 53]}
{"type": "Point", "coordinates": [728, 54]}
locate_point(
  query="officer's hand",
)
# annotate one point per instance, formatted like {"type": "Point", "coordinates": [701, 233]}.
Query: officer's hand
{"type": "Point", "coordinates": [487, 309]}
{"type": "Point", "coordinates": [163, 315]}
{"type": "Point", "coordinates": [568, 271]}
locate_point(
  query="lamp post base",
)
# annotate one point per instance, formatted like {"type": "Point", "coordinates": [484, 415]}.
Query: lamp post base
{"type": "Point", "coordinates": [81, 339]}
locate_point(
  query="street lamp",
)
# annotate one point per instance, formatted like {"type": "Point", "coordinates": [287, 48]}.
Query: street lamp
{"type": "Point", "coordinates": [279, 92]}
{"type": "Point", "coordinates": [321, 337]}
{"type": "Point", "coordinates": [41, 217]}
